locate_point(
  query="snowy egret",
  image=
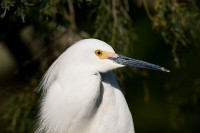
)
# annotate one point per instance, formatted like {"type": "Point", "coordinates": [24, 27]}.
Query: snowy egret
{"type": "Point", "coordinates": [80, 93]}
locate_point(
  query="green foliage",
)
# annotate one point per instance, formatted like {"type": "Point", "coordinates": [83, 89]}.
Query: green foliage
{"type": "Point", "coordinates": [114, 25]}
{"type": "Point", "coordinates": [20, 7]}
{"type": "Point", "coordinates": [19, 112]}
{"type": "Point", "coordinates": [178, 23]}
{"type": "Point", "coordinates": [6, 5]}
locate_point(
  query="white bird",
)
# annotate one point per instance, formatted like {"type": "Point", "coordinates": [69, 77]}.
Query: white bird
{"type": "Point", "coordinates": [80, 93]}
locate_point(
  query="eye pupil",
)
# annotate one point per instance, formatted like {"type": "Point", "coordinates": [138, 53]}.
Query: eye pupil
{"type": "Point", "coordinates": [98, 52]}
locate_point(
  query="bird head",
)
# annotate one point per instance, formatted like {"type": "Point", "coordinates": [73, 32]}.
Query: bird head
{"type": "Point", "coordinates": [100, 56]}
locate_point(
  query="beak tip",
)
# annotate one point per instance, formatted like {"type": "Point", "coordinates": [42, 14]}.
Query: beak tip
{"type": "Point", "coordinates": [165, 70]}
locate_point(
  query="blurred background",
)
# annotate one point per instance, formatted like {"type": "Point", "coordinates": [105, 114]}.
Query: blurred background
{"type": "Point", "coordinates": [33, 33]}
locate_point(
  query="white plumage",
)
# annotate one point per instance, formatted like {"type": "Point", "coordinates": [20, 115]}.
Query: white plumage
{"type": "Point", "coordinates": [80, 93]}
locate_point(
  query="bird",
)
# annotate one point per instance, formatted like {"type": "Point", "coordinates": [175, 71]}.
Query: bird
{"type": "Point", "coordinates": [80, 94]}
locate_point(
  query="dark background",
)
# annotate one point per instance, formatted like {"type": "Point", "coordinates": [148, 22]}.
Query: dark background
{"type": "Point", "coordinates": [33, 33]}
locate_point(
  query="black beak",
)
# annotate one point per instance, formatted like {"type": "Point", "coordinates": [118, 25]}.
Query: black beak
{"type": "Point", "coordinates": [137, 63]}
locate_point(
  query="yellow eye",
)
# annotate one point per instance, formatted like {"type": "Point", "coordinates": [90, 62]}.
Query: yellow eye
{"type": "Point", "coordinates": [98, 53]}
